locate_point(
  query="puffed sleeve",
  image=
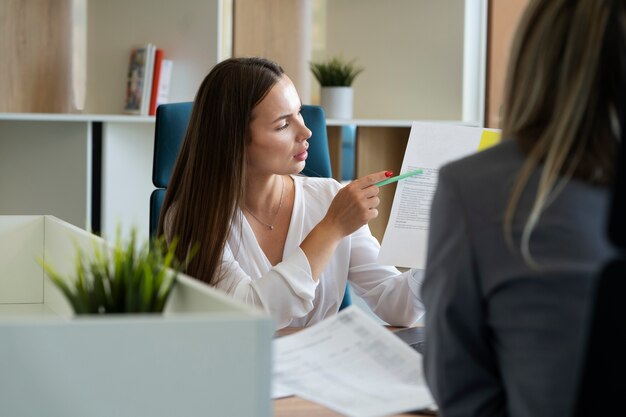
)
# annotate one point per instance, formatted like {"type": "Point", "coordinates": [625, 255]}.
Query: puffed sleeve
{"type": "Point", "coordinates": [459, 364]}
{"type": "Point", "coordinates": [393, 296]}
{"type": "Point", "coordinates": [289, 285]}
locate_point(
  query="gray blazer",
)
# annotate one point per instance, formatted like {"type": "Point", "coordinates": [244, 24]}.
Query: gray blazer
{"type": "Point", "coordinates": [503, 339]}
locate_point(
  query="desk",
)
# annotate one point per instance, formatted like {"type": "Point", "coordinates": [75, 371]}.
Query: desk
{"type": "Point", "coordinates": [299, 407]}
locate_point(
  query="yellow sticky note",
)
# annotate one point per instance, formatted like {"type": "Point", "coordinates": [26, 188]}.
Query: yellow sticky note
{"type": "Point", "coordinates": [488, 139]}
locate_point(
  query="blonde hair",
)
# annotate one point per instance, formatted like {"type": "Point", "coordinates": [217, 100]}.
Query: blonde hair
{"type": "Point", "coordinates": [560, 100]}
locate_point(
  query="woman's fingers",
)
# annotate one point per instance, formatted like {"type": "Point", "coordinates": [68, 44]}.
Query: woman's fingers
{"type": "Point", "coordinates": [371, 179]}
{"type": "Point", "coordinates": [367, 183]}
{"type": "Point", "coordinates": [373, 202]}
{"type": "Point", "coordinates": [356, 203]}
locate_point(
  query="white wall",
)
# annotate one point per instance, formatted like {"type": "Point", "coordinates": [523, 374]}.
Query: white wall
{"type": "Point", "coordinates": [45, 168]}
{"type": "Point", "coordinates": [412, 51]}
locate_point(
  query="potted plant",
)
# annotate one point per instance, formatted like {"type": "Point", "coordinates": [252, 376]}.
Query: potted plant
{"type": "Point", "coordinates": [190, 360]}
{"type": "Point", "coordinates": [335, 77]}
{"type": "Point", "coordinates": [120, 279]}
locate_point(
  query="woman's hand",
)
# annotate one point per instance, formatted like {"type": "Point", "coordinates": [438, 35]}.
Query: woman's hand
{"type": "Point", "coordinates": [355, 204]}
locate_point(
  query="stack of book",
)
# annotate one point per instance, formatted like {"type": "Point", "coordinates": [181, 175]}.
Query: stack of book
{"type": "Point", "coordinates": [148, 84]}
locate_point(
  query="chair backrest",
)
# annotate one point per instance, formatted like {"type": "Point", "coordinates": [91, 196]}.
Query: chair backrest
{"type": "Point", "coordinates": [170, 127]}
{"type": "Point", "coordinates": [171, 124]}
{"type": "Point", "coordinates": [318, 162]}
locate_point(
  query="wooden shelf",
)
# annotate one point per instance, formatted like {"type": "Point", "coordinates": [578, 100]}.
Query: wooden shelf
{"type": "Point", "coordinates": [62, 117]}
{"type": "Point", "coordinates": [393, 122]}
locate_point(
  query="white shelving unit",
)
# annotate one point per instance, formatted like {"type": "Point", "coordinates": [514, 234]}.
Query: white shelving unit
{"type": "Point", "coordinates": [94, 169]}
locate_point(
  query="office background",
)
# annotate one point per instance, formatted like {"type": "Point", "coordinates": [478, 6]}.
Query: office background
{"type": "Point", "coordinates": [66, 148]}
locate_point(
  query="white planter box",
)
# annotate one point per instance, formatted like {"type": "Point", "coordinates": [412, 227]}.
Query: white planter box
{"type": "Point", "coordinates": [206, 356]}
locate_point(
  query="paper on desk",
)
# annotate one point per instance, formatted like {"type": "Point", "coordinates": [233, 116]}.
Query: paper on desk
{"type": "Point", "coordinates": [430, 146]}
{"type": "Point", "coordinates": [280, 391]}
{"type": "Point", "coordinates": [353, 365]}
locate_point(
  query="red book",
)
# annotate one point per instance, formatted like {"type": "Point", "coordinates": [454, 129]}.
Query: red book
{"type": "Point", "coordinates": [158, 59]}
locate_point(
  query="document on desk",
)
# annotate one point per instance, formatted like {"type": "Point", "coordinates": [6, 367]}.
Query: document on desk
{"type": "Point", "coordinates": [430, 146]}
{"type": "Point", "coordinates": [353, 365]}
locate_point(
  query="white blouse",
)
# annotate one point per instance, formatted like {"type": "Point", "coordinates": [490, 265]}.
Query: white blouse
{"type": "Point", "coordinates": [287, 290]}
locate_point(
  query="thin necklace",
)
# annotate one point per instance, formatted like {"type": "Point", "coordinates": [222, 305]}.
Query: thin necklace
{"type": "Point", "coordinates": [280, 204]}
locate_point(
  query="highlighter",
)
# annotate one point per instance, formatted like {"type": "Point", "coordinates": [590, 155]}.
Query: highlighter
{"type": "Point", "coordinates": [399, 177]}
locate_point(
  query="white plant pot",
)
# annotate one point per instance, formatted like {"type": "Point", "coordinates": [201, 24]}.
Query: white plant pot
{"type": "Point", "coordinates": [337, 102]}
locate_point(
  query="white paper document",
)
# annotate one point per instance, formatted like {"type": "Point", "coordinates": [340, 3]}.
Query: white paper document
{"type": "Point", "coordinates": [351, 364]}
{"type": "Point", "coordinates": [430, 146]}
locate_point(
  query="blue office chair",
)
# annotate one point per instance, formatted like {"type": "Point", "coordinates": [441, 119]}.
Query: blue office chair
{"type": "Point", "coordinates": [348, 147]}
{"type": "Point", "coordinates": [171, 124]}
{"type": "Point", "coordinates": [318, 162]}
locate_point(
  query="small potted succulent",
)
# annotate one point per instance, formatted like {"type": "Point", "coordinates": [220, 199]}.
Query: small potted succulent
{"type": "Point", "coordinates": [336, 76]}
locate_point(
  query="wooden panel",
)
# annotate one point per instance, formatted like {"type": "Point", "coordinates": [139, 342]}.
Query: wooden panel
{"type": "Point", "coordinates": [378, 149]}
{"type": "Point", "coordinates": [279, 30]}
{"type": "Point", "coordinates": [36, 45]}
{"type": "Point", "coordinates": [334, 147]}
{"type": "Point", "coordinates": [503, 19]}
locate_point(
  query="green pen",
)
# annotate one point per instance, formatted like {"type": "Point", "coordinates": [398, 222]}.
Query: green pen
{"type": "Point", "coordinates": [398, 178]}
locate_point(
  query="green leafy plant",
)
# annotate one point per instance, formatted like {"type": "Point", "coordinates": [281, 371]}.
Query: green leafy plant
{"type": "Point", "coordinates": [336, 72]}
{"type": "Point", "coordinates": [125, 279]}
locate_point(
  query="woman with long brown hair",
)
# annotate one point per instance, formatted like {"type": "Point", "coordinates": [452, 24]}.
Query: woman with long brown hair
{"type": "Point", "coordinates": [518, 231]}
{"type": "Point", "coordinates": [264, 234]}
